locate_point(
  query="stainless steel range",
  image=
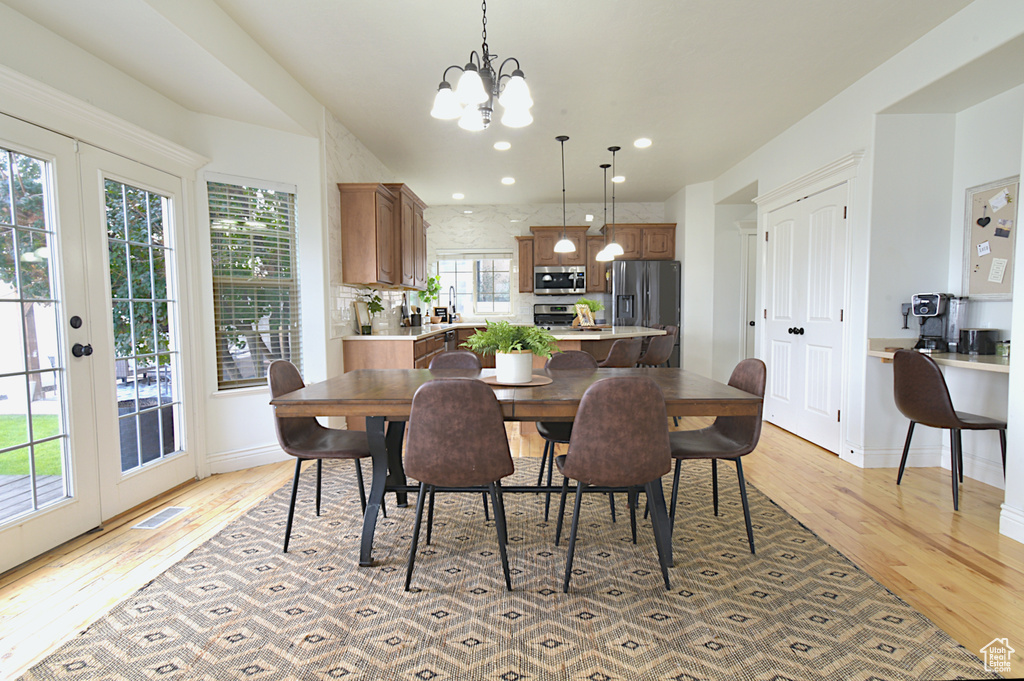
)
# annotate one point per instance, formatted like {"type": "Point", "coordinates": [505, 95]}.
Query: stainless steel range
{"type": "Point", "coordinates": [553, 316]}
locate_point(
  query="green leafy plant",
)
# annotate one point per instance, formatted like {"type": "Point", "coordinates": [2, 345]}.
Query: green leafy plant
{"type": "Point", "coordinates": [432, 292]}
{"type": "Point", "coordinates": [594, 305]}
{"type": "Point", "coordinates": [373, 301]}
{"type": "Point", "coordinates": [504, 337]}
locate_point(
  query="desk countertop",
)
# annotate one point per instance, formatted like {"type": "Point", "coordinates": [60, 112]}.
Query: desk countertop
{"type": "Point", "coordinates": [993, 363]}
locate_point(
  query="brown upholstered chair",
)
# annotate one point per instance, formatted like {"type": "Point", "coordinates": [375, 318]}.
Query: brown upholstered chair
{"type": "Point", "coordinates": [658, 350]}
{"type": "Point", "coordinates": [456, 359]}
{"type": "Point", "coordinates": [623, 354]}
{"type": "Point", "coordinates": [456, 439]}
{"type": "Point", "coordinates": [559, 432]}
{"type": "Point", "coordinates": [728, 438]}
{"type": "Point", "coordinates": [305, 439]}
{"type": "Point", "coordinates": [922, 396]}
{"type": "Point", "coordinates": [613, 448]}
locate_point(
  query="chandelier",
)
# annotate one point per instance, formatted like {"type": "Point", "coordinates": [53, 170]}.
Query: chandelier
{"type": "Point", "coordinates": [613, 248]}
{"type": "Point", "coordinates": [472, 101]}
{"type": "Point", "coordinates": [563, 245]}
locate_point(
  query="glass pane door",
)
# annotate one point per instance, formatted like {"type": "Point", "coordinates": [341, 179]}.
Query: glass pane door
{"type": "Point", "coordinates": [33, 430]}
{"type": "Point", "coordinates": [145, 364]}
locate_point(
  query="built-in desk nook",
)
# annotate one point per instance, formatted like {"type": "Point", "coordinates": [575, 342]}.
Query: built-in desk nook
{"type": "Point", "coordinates": [885, 348]}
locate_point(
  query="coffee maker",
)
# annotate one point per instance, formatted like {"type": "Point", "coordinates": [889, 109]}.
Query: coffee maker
{"type": "Point", "coordinates": [940, 316]}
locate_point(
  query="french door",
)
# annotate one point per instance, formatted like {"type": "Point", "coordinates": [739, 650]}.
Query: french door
{"type": "Point", "coordinates": [90, 368]}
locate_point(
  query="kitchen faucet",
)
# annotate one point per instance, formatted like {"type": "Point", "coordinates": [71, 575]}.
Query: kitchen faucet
{"type": "Point", "coordinates": [451, 303]}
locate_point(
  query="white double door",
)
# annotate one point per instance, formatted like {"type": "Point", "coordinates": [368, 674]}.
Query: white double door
{"type": "Point", "coordinates": [805, 273]}
{"type": "Point", "coordinates": [92, 419]}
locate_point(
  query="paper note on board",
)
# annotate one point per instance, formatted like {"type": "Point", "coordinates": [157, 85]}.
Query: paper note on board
{"type": "Point", "coordinates": [1000, 200]}
{"type": "Point", "coordinates": [995, 273]}
{"type": "Point", "coordinates": [984, 249]}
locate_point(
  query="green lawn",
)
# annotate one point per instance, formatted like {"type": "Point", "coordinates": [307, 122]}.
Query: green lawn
{"type": "Point", "coordinates": [13, 431]}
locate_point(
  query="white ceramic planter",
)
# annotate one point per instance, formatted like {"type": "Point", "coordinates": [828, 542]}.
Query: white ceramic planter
{"type": "Point", "coordinates": [515, 367]}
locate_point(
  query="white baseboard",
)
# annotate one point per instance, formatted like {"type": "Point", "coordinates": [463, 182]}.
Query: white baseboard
{"type": "Point", "coordinates": [1011, 523]}
{"type": "Point", "coordinates": [925, 457]}
{"type": "Point", "coordinates": [239, 459]}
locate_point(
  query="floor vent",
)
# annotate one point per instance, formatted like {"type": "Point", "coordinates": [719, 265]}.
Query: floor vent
{"type": "Point", "coordinates": [155, 521]}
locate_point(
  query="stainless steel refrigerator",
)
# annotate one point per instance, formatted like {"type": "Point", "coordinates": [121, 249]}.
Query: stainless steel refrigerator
{"type": "Point", "coordinates": [646, 292]}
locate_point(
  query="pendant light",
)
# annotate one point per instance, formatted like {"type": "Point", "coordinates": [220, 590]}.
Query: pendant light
{"type": "Point", "coordinates": [603, 255]}
{"type": "Point", "coordinates": [564, 245]}
{"type": "Point", "coordinates": [613, 248]}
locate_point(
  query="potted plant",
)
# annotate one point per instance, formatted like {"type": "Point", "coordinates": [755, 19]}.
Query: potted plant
{"type": "Point", "coordinates": [585, 309]}
{"type": "Point", "coordinates": [373, 306]}
{"type": "Point", "coordinates": [513, 348]}
{"type": "Point", "coordinates": [431, 293]}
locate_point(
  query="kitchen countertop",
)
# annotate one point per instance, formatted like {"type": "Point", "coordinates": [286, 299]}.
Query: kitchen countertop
{"type": "Point", "coordinates": [415, 333]}
{"type": "Point", "coordinates": [993, 363]}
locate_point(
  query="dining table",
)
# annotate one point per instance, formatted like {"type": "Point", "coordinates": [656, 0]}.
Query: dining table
{"type": "Point", "coordinates": [384, 397]}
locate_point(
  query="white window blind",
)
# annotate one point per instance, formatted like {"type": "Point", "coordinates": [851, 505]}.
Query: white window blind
{"type": "Point", "coordinates": [255, 281]}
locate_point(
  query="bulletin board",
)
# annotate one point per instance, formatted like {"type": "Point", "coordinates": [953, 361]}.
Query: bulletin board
{"type": "Point", "coordinates": [989, 234]}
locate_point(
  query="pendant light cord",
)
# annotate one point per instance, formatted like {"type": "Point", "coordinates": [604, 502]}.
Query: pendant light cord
{"type": "Point", "coordinates": [562, 139]}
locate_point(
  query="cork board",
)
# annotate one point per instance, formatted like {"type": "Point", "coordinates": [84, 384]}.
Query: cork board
{"type": "Point", "coordinates": [990, 230]}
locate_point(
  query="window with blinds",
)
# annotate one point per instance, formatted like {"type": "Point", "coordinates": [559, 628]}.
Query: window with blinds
{"type": "Point", "coordinates": [255, 281]}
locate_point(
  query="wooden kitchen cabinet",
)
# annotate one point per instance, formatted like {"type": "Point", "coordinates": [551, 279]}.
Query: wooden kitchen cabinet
{"type": "Point", "coordinates": [383, 236]}
{"type": "Point", "coordinates": [525, 244]}
{"type": "Point", "coordinates": [645, 242]}
{"type": "Point", "coordinates": [486, 361]}
{"type": "Point", "coordinates": [597, 282]}
{"type": "Point", "coordinates": [545, 238]}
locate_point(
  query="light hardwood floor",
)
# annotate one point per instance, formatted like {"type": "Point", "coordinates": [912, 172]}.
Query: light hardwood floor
{"type": "Point", "coordinates": [954, 567]}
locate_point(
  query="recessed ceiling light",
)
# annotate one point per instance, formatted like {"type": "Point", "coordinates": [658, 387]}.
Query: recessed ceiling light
{"type": "Point", "coordinates": [590, 218]}
{"type": "Point", "coordinates": [458, 196]}
{"type": "Point", "coordinates": [502, 146]}
{"type": "Point", "coordinates": [619, 178]}
{"type": "Point", "coordinates": [642, 143]}
{"type": "Point", "coordinates": [467, 212]}
{"type": "Point", "coordinates": [514, 220]}
{"type": "Point", "coordinates": [508, 180]}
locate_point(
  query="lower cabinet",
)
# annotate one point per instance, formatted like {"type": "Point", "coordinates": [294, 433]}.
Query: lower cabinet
{"type": "Point", "coordinates": [486, 361]}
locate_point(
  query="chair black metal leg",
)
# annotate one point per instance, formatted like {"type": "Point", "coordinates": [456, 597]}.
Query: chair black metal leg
{"type": "Point", "coordinates": [415, 533]}
{"type": "Point", "coordinates": [631, 497]}
{"type": "Point", "coordinates": [675, 421]}
{"type": "Point", "coordinates": [362, 488]}
{"type": "Point", "coordinates": [487, 513]}
{"type": "Point", "coordinates": [675, 494]}
{"type": "Point", "coordinates": [746, 505]}
{"type": "Point", "coordinates": [291, 507]}
{"type": "Point", "coordinates": [543, 460]}
{"type": "Point", "coordinates": [499, 523]}
{"type": "Point", "coordinates": [572, 536]}
{"type": "Point", "coordinates": [319, 476]}
{"type": "Point", "coordinates": [551, 470]}
{"type": "Point", "coordinates": [1002, 447]}
{"type": "Point", "coordinates": [714, 484]}
{"type": "Point", "coordinates": [662, 540]}
{"type": "Point", "coordinates": [960, 455]}
{"type": "Point", "coordinates": [561, 510]}
{"type": "Point", "coordinates": [611, 504]}
{"type": "Point", "coordinates": [906, 450]}
{"type": "Point", "coordinates": [430, 514]}
{"type": "Point", "coordinates": [952, 469]}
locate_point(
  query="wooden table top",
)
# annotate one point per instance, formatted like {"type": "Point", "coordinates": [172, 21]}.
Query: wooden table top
{"type": "Point", "coordinates": [388, 392]}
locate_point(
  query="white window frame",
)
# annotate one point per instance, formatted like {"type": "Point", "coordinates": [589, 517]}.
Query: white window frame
{"type": "Point", "coordinates": [476, 254]}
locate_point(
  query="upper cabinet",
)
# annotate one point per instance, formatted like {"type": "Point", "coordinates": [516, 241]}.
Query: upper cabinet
{"type": "Point", "coordinates": [383, 236]}
{"type": "Point", "coordinates": [597, 280]}
{"type": "Point", "coordinates": [525, 263]}
{"type": "Point", "coordinates": [645, 242]}
{"type": "Point", "coordinates": [544, 240]}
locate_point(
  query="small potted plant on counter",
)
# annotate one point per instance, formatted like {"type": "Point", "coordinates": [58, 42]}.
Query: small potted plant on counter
{"type": "Point", "coordinates": [585, 309]}
{"type": "Point", "coordinates": [373, 306]}
{"type": "Point", "coordinates": [513, 348]}
{"type": "Point", "coordinates": [429, 294]}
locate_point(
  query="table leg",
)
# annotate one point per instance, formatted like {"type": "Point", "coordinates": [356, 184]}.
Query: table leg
{"type": "Point", "coordinates": [396, 471]}
{"type": "Point", "coordinates": [379, 456]}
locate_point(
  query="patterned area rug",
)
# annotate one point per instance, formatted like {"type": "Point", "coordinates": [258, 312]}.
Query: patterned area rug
{"type": "Point", "coordinates": [237, 608]}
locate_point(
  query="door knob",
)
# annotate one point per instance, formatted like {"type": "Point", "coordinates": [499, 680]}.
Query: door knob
{"type": "Point", "coordinates": [792, 329]}
{"type": "Point", "coordinates": [751, 323]}
{"type": "Point", "coordinates": [800, 331]}
{"type": "Point", "coordinates": [78, 350]}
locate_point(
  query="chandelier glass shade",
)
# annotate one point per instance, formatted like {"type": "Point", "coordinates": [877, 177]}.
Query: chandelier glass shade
{"type": "Point", "coordinates": [613, 249]}
{"type": "Point", "coordinates": [472, 100]}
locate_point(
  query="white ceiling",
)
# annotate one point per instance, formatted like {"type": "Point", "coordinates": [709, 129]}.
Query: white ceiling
{"type": "Point", "coordinates": [708, 80]}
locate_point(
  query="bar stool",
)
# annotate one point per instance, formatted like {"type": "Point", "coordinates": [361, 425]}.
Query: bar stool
{"type": "Point", "coordinates": [624, 353]}
{"type": "Point", "coordinates": [922, 396]}
{"type": "Point", "coordinates": [658, 351]}
{"type": "Point", "coordinates": [455, 359]}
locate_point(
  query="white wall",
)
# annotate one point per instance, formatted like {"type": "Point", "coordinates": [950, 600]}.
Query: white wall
{"type": "Point", "coordinates": [729, 314]}
{"type": "Point", "coordinates": [698, 278]}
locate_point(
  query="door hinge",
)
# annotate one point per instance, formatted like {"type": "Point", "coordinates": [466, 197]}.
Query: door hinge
{"type": "Point", "coordinates": [838, 414]}
{"type": "Point", "coordinates": [766, 237]}
{"type": "Point", "coordinates": [766, 313]}
{"type": "Point", "coordinates": [844, 212]}
{"type": "Point", "coordinates": [840, 315]}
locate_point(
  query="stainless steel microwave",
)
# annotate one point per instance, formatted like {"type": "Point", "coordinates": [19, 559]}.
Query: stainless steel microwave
{"type": "Point", "coordinates": [560, 281]}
